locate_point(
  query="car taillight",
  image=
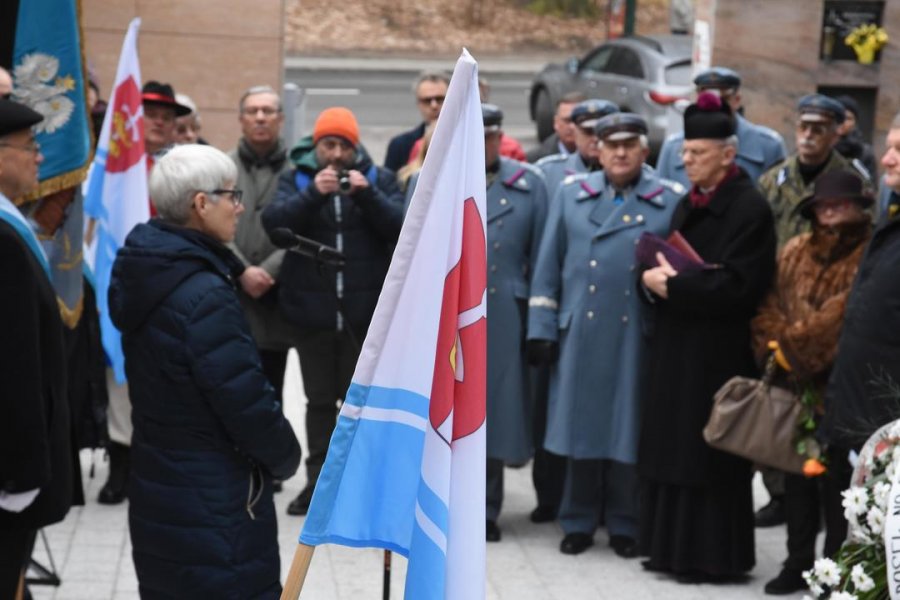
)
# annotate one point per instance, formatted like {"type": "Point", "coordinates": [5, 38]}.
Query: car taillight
{"type": "Point", "coordinates": [661, 98]}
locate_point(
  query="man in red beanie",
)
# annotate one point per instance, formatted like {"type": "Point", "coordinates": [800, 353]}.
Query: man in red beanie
{"type": "Point", "coordinates": [336, 196]}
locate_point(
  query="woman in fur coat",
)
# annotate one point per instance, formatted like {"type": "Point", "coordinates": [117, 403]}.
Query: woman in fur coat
{"type": "Point", "coordinates": [803, 314]}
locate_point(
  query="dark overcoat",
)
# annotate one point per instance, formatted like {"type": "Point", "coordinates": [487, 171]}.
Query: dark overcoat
{"type": "Point", "coordinates": [36, 448]}
{"type": "Point", "coordinates": [860, 397]}
{"type": "Point", "coordinates": [701, 335]}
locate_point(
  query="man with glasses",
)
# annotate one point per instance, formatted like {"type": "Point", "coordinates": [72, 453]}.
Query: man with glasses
{"type": "Point", "coordinates": [261, 158]}
{"type": "Point", "coordinates": [786, 184]}
{"type": "Point", "coordinates": [36, 468]}
{"type": "Point", "coordinates": [430, 90]}
{"type": "Point", "coordinates": [337, 197]}
{"type": "Point", "coordinates": [759, 148]}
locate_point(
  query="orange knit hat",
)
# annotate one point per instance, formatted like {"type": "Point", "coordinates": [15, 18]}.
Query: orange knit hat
{"type": "Point", "coordinates": [337, 121]}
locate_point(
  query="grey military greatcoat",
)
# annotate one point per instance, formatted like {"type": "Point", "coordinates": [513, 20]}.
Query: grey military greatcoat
{"type": "Point", "coordinates": [516, 212]}
{"type": "Point", "coordinates": [557, 167]}
{"type": "Point", "coordinates": [584, 295]}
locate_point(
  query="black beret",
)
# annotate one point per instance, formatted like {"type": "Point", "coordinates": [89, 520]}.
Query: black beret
{"type": "Point", "coordinates": [492, 117]}
{"type": "Point", "coordinates": [708, 118]}
{"type": "Point", "coordinates": [587, 113]}
{"type": "Point", "coordinates": [718, 77]}
{"type": "Point", "coordinates": [849, 104]}
{"type": "Point", "coordinates": [818, 108]}
{"type": "Point", "coordinates": [620, 126]}
{"type": "Point", "coordinates": [16, 117]}
{"type": "Point", "coordinates": [155, 92]}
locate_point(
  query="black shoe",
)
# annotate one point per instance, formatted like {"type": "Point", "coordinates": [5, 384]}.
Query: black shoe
{"type": "Point", "coordinates": [771, 514]}
{"type": "Point", "coordinates": [492, 532]}
{"type": "Point", "coordinates": [788, 581]}
{"type": "Point", "coordinates": [576, 543]}
{"type": "Point", "coordinates": [624, 546]}
{"type": "Point", "coordinates": [113, 491]}
{"type": "Point", "coordinates": [277, 486]}
{"type": "Point", "coordinates": [300, 505]}
{"type": "Point", "coordinates": [543, 514]}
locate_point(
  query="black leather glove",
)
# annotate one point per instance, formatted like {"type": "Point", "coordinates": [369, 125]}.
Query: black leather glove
{"type": "Point", "coordinates": [541, 352]}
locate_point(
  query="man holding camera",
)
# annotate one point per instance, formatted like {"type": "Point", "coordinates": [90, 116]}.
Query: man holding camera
{"type": "Point", "coordinates": [337, 197]}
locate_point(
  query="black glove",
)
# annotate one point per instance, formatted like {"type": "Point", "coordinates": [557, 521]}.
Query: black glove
{"type": "Point", "coordinates": [541, 352]}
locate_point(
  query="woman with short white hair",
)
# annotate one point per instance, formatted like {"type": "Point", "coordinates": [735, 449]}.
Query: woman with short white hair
{"type": "Point", "coordinates": [209, 433]}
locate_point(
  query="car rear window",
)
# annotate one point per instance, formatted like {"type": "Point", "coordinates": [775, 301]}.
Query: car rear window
{"type": "Point", "coordinates": [679, 73]}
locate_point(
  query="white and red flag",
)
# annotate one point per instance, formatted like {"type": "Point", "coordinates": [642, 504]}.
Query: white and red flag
{"type": "Point", "coordinates": [405, 470]}
{"type": "Point", "coordinates": [116, 187]}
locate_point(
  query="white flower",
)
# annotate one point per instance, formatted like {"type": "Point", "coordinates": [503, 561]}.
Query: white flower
{"type": "Point", "coordinates": [861, 581]}
{"type": "Point", "coordinates": [875, 519]}
{"type": "Point", "coordinates": [827, 572]}
{"type": "Point", "coordinates": [843, 596]}
{"type": "Point", "coordinates": [890, 469]}
{"type": "Point", "coordinates": [895, 453]}
{"type": "Point", "coordinates": [880, 494]}
{"type": "Point", "coordinates": [855, 500]}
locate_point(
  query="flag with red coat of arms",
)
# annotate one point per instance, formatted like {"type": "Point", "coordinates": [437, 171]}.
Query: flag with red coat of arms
{"type": "Point", "coordinates": [116, 188]}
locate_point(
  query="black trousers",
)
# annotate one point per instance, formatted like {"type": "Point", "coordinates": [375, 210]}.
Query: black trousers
{"type": "Point", "coordinates": [548, 471]}
{"type": "Point", "coordinates": [274, 363]}
{"type": "Point", "coordinates": [806, 500]}
{"type": "Point", "coordinates": [327, 361]}
{"type": "Point", "coordinates": [15, 551]}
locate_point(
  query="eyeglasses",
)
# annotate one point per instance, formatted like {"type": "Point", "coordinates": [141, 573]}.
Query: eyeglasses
{"type": "Point", "coordinates": [33, 147]}
{"type": "Point", "coordinates": [236, 195]}
{"type": "Point", "coordinates": [267, 111]}
{"type": "Point", "coordinates": [432, 100]}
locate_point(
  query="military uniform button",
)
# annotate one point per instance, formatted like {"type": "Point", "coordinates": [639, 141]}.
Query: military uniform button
{"type": "Point", "coordinates": [593, 263]}
{"type": "Point", "coordinates": [590, 314]}
{"type": "Point", "coordinates": [500, 223]}
{"type": "Point", "coordinates": [640, 218]}
{"type": "Point", "coordinates": [592, 288]}
{"type": "Point", "coordinates": [493, 268]}
{"type": "Point", "coordinates": [504, 201]}
{"type": "Point", "coordinates": [496, 245]}
{"type": "Point", "coordinates": [631, 268]}
{"type": "Point", "coordinates": [627, 292]}
{"type": "Point", "coordinates": [624, 318]}
{"type": "Point", "coordinates": [492, 290]}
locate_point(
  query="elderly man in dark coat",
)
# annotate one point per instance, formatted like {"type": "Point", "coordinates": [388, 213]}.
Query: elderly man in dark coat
{"type": "Point", "coordinates": [37, 457]}
{"type": "Point", "coordinates": [697, 506]}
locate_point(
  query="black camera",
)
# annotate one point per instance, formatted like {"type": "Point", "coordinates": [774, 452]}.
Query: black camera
{"type": "Point", "coordinates": [344, 184]}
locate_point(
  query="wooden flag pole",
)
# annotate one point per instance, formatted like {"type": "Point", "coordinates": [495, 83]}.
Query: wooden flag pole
{"type": "Point", "coordinates": [386, 590]}
{"type": "Point", "coordinates": [297, 575]}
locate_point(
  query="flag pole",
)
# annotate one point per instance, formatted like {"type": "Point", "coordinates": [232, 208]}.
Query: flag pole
{"type": "Point", "coordinates": [297, 575]}
{"type": "Point", "coordinates": [386, 586]}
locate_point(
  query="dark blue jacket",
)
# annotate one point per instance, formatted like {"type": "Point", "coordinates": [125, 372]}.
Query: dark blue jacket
{"type": "Point", "coordinates": [400, 146]}
{"type": "Point", "coordinates": [209, 432]}
{"type": "Point", "coordinates": [365, 228]}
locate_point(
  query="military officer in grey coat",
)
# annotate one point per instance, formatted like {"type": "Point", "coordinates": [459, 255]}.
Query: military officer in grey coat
{"type": "Point", "coordinates": [516, 212]}
{"type": "Point", "coordinates": [585, 317]}
{"type": "Point", "coordinates": [759, 147]}
{"type": "Point", "coordinates": [557, 167]}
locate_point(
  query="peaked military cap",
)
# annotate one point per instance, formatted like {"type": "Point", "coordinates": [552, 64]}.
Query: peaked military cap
{"type": "Point", "coordinates": [587, 113]}
{"type": "Point", "coordinates": [16, 117]}
{"type": "Point", "coordinates": [818, 108]}
{"type": "Point", "coordinates": [620, 126]}
{"type": "Point", "coordinates": [708, 118]}
{"type": "Point", "coordinates": [492, 117]}
{"type": "Point", "coordinates": [155, 92]}
{"type": "Point", "coordinates": [721, 78]}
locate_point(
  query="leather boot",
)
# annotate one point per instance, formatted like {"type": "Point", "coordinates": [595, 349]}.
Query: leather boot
{"type": "Point", "coordinates": [113, 492]}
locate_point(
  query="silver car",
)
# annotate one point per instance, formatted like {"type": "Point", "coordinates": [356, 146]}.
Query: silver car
{"type": "Point", "coordinates": [643, 75]}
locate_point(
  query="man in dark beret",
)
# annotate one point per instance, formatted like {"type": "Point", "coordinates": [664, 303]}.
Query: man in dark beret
{"type": "Point", "coordinates": [36, 453]}
{"type": "Point", "coordinates": [758, 147]}
{"type": "Point", "coordinates": [852, 145]}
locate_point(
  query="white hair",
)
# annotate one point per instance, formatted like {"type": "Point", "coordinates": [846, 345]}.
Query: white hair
{"type": "Point", "coordinates": [182, 172]}
{"type": "Point", "coordinates": [731, 140]}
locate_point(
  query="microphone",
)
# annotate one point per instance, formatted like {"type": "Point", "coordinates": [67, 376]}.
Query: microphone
{"type": "Point", "coordinates": [284, 238]}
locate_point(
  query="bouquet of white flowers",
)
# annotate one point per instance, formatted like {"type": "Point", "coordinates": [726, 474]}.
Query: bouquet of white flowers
{"type": "Point", "coordinates": [859, 571]}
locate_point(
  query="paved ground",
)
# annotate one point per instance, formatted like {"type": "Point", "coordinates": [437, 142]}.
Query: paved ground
{"type": "Point", "coordinates": [92, 551]}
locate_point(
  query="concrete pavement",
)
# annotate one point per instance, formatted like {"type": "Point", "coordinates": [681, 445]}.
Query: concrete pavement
{"type": "Point", "coordinates": [92, 552]}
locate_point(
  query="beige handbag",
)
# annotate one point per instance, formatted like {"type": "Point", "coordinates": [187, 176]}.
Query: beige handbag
{"type": "Point", "coordinates": [757, 421]}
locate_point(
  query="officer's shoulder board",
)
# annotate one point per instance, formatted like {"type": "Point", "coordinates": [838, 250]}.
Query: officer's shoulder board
{"type": "Point", "coordinates": [676, 187]}
{"type": "Point", "coordinates": [859, 166]}
{"type": "Point", "coordinates": [519, 179]}
{"type": "Point", "coordinates": [553, 158]}
{"type": "Point", "coordinates": [574, 177]}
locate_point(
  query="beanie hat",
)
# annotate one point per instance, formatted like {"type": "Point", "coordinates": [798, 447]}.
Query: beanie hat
{"type": "Point", "coordinates": [337, 121]}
